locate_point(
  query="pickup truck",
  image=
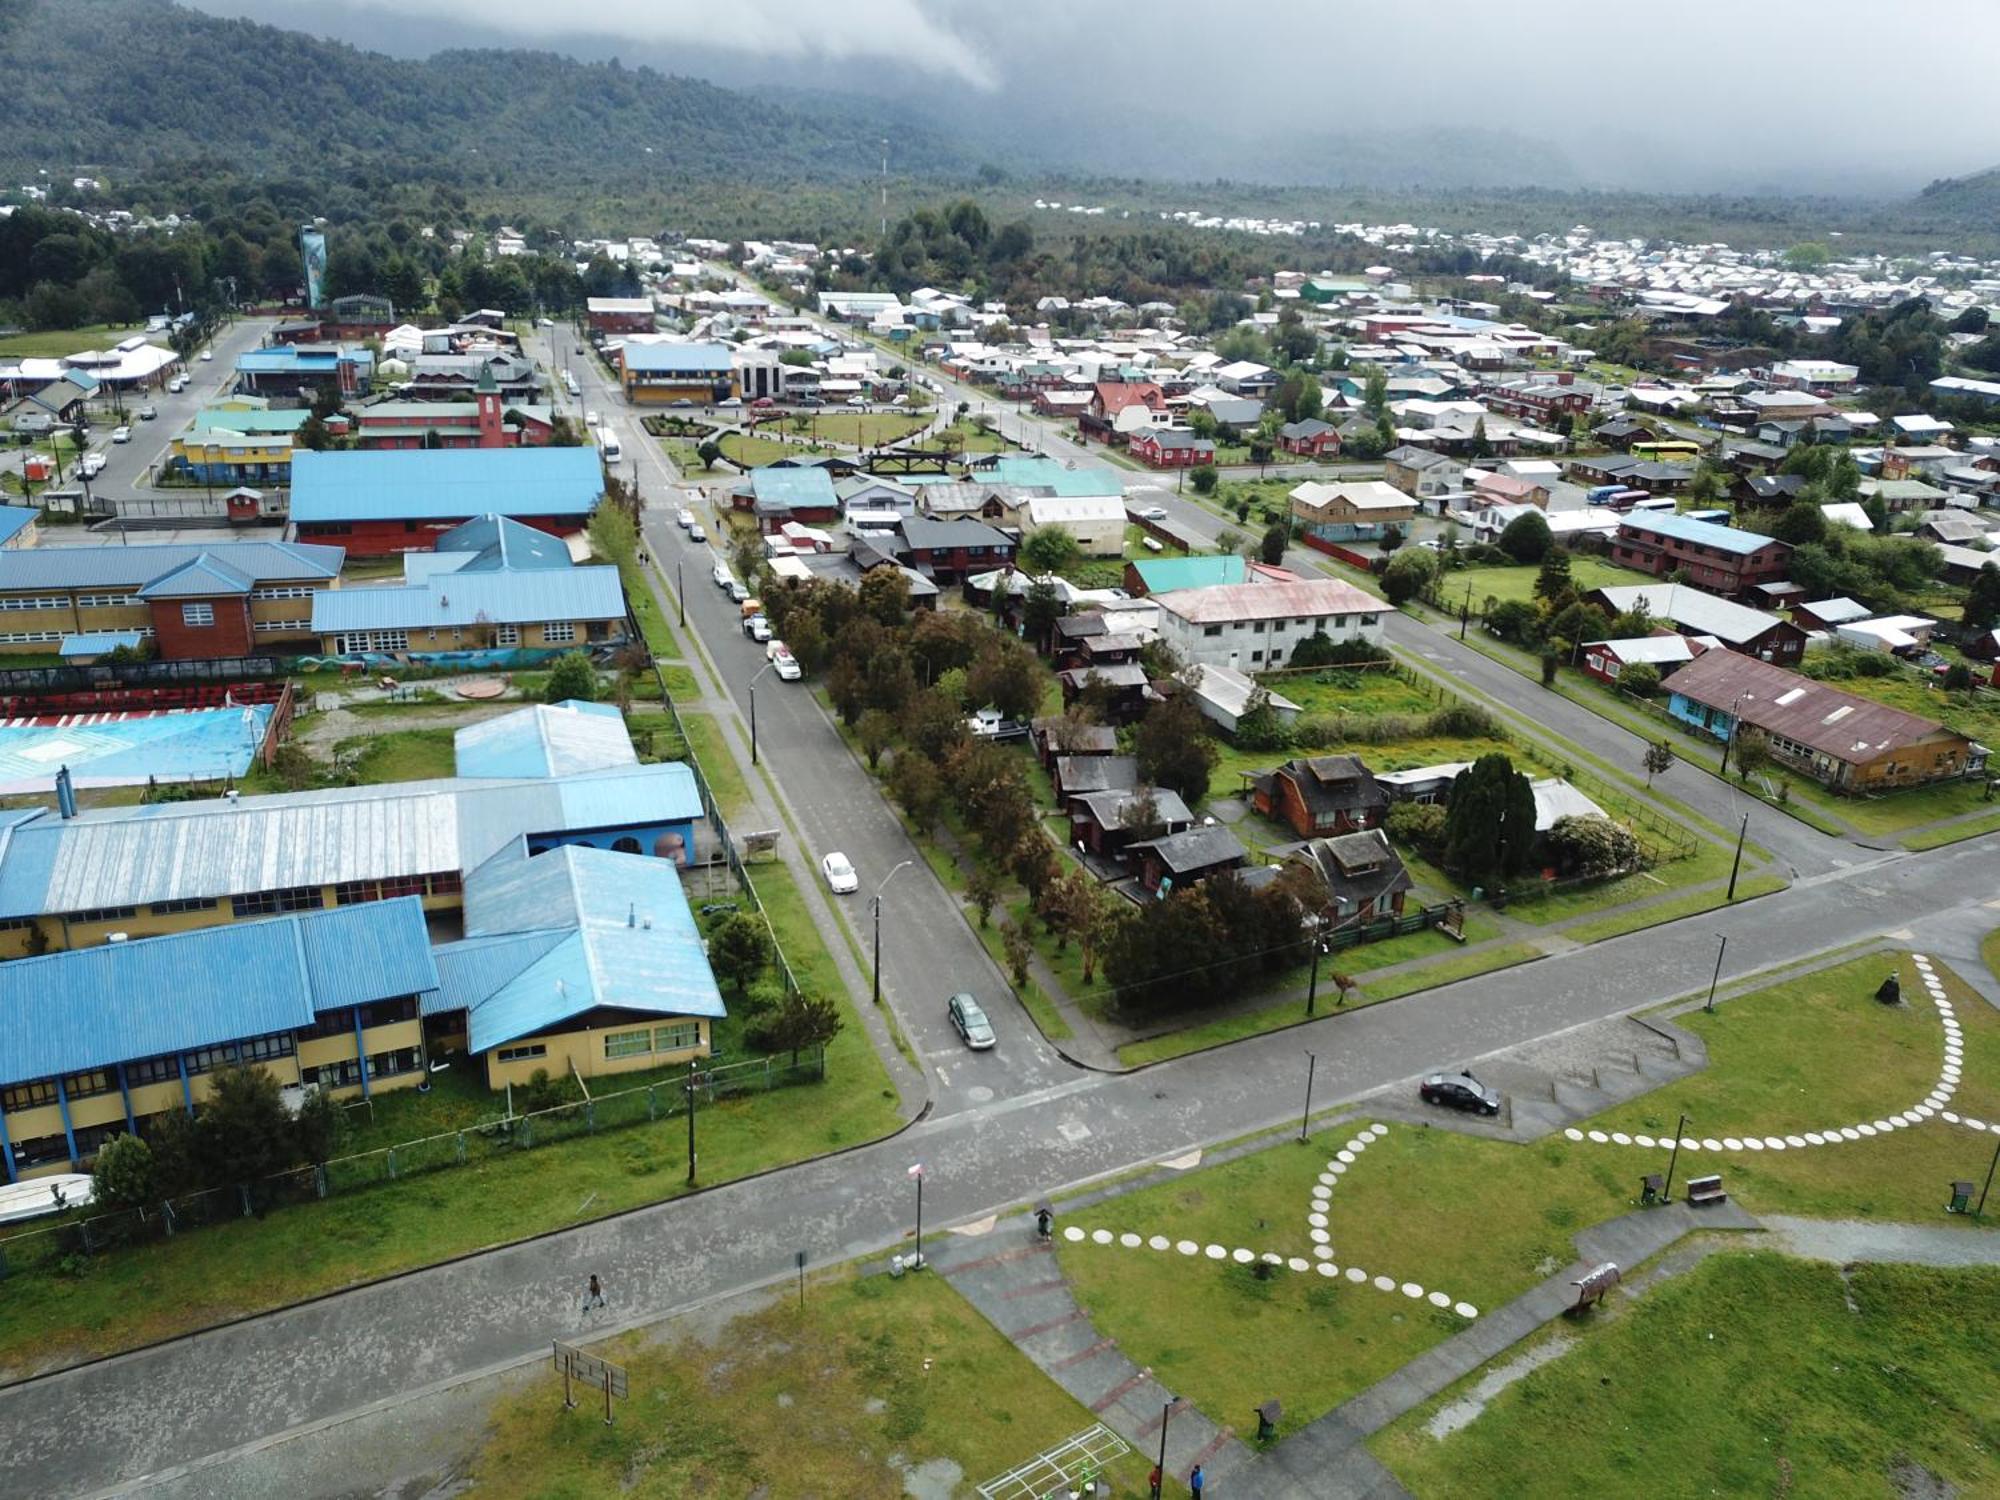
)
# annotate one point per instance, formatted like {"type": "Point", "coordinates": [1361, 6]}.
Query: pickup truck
{"type": "Point", "coordinates": [987, 724]}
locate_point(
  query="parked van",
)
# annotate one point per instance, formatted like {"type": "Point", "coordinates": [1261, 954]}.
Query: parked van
{"type": "Point", "coordinates": [608, 445]}
{"type": "Point", "coordinates": [569, 383]}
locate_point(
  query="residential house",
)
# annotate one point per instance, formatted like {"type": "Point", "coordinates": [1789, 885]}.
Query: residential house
{"type": "Point", "coordinates": [1077, 776]}
{"type": "Point", "coordinates": [1320, 796]}
{"type": "Point", "coordinates": [1720, 559]}
{"type": "Point", "coordinates": [1169, 448]}
{"type": "Point", "coordinates": [1225, 695]}
{"type": "Point", "coordinates": [948, 551]}
{"type": "Point", "coordinates": [1357, 511]}
{"type": "Point", "coordinates": [1607, 660]}
{"type": "Point", "coordinates": [1840, 739]}
{"type": "Point", "coordinates": [1127, 692]}
{"type": "Point", "coordinates": [1420, 473]}
{"type": "Point", "coordinates": [1057, 737]}
{"type": "Point", "coordinates": [1772, 490]}
{"type": "Point", "coordinates": [1828, 614]}
{"type": "Point", "coordinates": [1178, 860]}
{"type": "Point", "coordinates": [1106, 823]}
{"type": "Point", "coordinates": [1255, 626]}
{"type": "Point", "coordinates": [1097, 522]}
{"type": "Point", "coordinates": [1310, 438]}
{"type": "Point", "coordinates": [1507, 489]}
{"type": "Point", "coordinates": [1692, 612]}
{"type": "Point", "coordinates": [1364, 878]}
{"type": "Point", "coordinates": [779, 495]}
{"type": "Point", "coordinates": [1118, 408]}
{"type": "Point", "coordinates": [1622, 432]}
{"type": "Point", "coordinates": [1956, 527]}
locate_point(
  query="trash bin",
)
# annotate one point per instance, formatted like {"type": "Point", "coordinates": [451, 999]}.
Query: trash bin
{"type": "Point", "coordinates": [1961, 1197]}
{"type": "Point", "coordinates": [1650, 1188]}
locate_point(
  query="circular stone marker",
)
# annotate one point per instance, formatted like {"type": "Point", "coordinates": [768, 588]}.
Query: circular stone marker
{"type": "Point", "coordinates": [1599, 1137]}
{"type": "Point", "coordinates": [1216, 1252]}
{"type": "Point", "coordinates": [1298, 1264]}
{"type": "Point", "coordinates": [1318, 1221]}
{"type": "Point", "coordinates": [1339, 1167]}
{"type": "Point", "coordinates": [1572, 1132]}
{"type": "Point", "coordinates": [1159, 1242]}
{"type": "Point", "coordinates": [1975, 1124]}
{"type": "Point", "coordinates": [1439, 1299]}
{"type": "Point", "coordinates": [1866, 1130]}
{"type": "Point", "coordinates": [1412, 1291]}
{"type": "Point", "coordinates": [1321, 1194]}
{"type": "Point", "coordinates": [1356, 1275]}
{"type": "Point", "coordinates": [1466, 1310]}
{"type": "Point", "coordinates": [1327, 1179]}
{"type": "Point", "coordinates": [1796, 1142]}
{"type": "Point", "coordinates": [1643, 1140]}
{"type": "Point", "coordinates": [1242, 1257]}
{"type": "Point", "coordinates": [1772, 1143]}
{"type": "Point", "coordinates": [1323, 1252]}
{"type": "Point", "coordinates": [1849, 1133]}
{"type": "Point", "coordinates": [1327, 1268]}
{"type": "Point", "coordinates": [1949, 1118]}
{"type": "Point", "coordinates": [1814, 1138]}
{"type": "Point", "coordinates": [1073, 1234]}
{"type": "Point", "coordinates": [1319, 1236]}
{"type": "Point", "coordinates": [1345, 1158]}
{"type": "Point", "coordinates": [1100, 1236]}
{"type": "Point", "coordinates": [1130, 1241]}
{"type": "Point", "coordinates": [1385, 1283]}
{"type": "Point", "coordinates": [1756, 1145]}
{"type": "Point", "coordinates": [1924, 1110]}
{"type": "Point", "coordinates": [1188, 1247]}
{"type": "Point", "coordinates": [1730, 1143]}
{"type": "Point", "coordinates": [1709, 1144]}
{"type": "Point", "coordinates": [1620, 1138]}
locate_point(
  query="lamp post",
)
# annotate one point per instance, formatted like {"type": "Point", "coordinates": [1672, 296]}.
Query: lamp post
{"type": "Point", "coordinates": [876, 901]}
{"type": "Point", "coordinates": [680, 593]}
{"type": "Point", "coordinates": [1312, 1062]}
{"type": "Point", "coordinates": [1667, 1193]}
{"type": "Point", "coordinates": [1166, 1415]}
{"type": "Point", "coordinates": [753, 710]}
{"type": "Point", "coordinates": [917, 1171]}
{"type": "Point", "coordinates": [1721, 946]}
{"type": "Point", "coordinates": [1737, 863]}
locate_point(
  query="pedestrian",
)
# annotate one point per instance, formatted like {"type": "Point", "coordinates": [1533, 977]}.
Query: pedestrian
{"type": "Point", "coordinates": [594, 1295]}
{"type": "Point", "coordinates": [1153, 1483]}
{"type": "Point", "coordinates": [1195, 1482]}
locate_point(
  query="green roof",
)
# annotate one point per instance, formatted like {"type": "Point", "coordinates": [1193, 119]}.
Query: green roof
{"type": "Point", "coordinates": [1163, 574]}
{"type": "Point", "coordinates": [1047, 473]}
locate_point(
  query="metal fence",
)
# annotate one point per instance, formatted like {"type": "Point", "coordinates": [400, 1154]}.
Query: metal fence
{"type": "Point", "coordinates": [50, 1247]}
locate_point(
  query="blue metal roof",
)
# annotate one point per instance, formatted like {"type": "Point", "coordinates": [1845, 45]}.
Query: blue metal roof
{"type": "Point", "coordinates": [91, 1007]}
{"type": "Point", "coordinates": [98, 642]}
{"type": "Point", "coordinates": [678, 359]}
{"type": "Point", "coordinates": [635, 945]}
{"type": "Point", "coordinates": [1699, 533]}
{"type": "Point", "coordinates": [459, 599]}
{"type": "Point", "coordinates": [497, 542]}
{"type": "Point", "coordinates": [545, 739]}
{"type": "Point", "coordinates": [793, 488]}
{"type": "Point", "coordinates": [133, 567]}
{"type": "Point", "coordinates": [473, 968]}
{"type": "Point", "coordinates": [286, 361]}
{"type": "Point", "coordinates": [15, 519]}
{"type": "Point", "coordinates": [444, 484]}
{"type": "Point", "coordinates": [617, 796]}
{"type": "Point", "coordinates": [1047, 473]}
{"type": "Point", "coordinates": [199, 578]}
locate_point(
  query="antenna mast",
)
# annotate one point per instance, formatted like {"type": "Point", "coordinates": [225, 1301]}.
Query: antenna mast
{"type": "Point", "coordinates": [885, 190]}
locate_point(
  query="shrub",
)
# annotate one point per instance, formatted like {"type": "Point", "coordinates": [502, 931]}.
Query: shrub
{"type": "Point", "coordinates": [1527, 538]}
{"type": "Point", "coordinates": [1418, 825]}
{"type": "Point", "coordinates": [1642, 678]}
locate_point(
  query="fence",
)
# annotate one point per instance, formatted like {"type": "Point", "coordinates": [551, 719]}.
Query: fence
{"type": "Point", "coordinates": [1420, 920]}
{"type": "Point", "coordinates": [50, 1247]}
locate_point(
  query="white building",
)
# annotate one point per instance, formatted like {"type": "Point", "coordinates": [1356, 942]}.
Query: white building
{"type": "Point", "coordinates": [1096, 521]}
{"type": "Point", "coordinates": [1253, 627]}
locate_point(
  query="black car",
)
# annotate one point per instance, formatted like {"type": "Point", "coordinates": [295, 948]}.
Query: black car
{"type": "Point", "coordinates": [1459, 1091]}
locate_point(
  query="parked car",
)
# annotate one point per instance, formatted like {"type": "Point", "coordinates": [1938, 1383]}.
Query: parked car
{"type": "Point", "coordinates": [121, 434]}
{"type": "Point", "coordinates": [545, 322]}
{"type": "Point", "coordinates": [177, 384]}
{"type": "Point", "coordinates": [589, 417]}
{"type": "Point", "coordinates": [970, 1020]}
{"type": "Point", "coordinates": [762, 403]}
{"type": "Point", "coordinates": [840, 876]}
{"type": "Point", "coordinates": [1151, 513]}
{"type": "Point", "coordinates": [734, 403]}
{"type": "Point", "coordinates": [147, 412]}
{"type": "Point", "coordinates": [684, 518]}
{"type": "Point", "coordinates": [737, 591]}
{"type": "Point", "coordinates": [695, 533]}
{"type": "Point", "coordinates": [92, 465]}
{"type": "Point", "coordinates": [1459, 1091]}
{"type": "Point", "coordinates": [757, 628]}
{"type": "Point", "coordinates": [207, 354]}
{"type": "Point", "coordinates": [805, 403]}
{"type": "Point", "coordinates": [988, 724]}
{"type": "Point", "coordinates": [857, 400]}
{"type": "Point", "coordinates": [787, 667]}
{"type": "Point", "coordinates": [682, 402]}
{"type": "Point", "coordinates": [720, 573]}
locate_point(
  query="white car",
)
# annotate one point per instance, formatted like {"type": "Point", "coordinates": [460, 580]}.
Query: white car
{"type": "Point", "coordinates": [121, 434]}
{"type": "Point", "coordinates": [92, 465]}
{"type": "Point", "coordinates": [545, 322]}
{"type": "Point", "coordinates": [1151, 513]}
{"type": "Point", "coordinates": [757, 628]}
{"type": "Point", "coordinates": [695, 533]}
{"type": "Point", "coordinates": [208, 354]}
{"type": "Point", "coordinates": [684, 518]}
{"type": "Point", "coordinates": [720, 573]}
{"type": "Point", "coordinates": [177, 384]}
{"type": "Point", "coordinates": [840, 876]}
{"type": "Point", "coordinates": [737, 591]}
{"type": "Point", "coordinates": [589, 418]}
{"type": "Point", "coordinates": [787, 667]}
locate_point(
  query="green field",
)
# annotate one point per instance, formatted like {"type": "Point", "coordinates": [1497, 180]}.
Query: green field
{"type": "Point", "coordinates": [711, 751]}
{"type": "Point", "coordinates": [754, 452]}
{"type": "Point", "coordinates": [1749, 1375]}
{"type": "Point", "coordinates": [56, 343]}
{"type": "Point", "coordinates": [864, 429]}
{"type": "Point", "coordinates": [1503, 583]}
{"type": "Point", "coordinates": [401, 755]}
{"type": "Point", "coordinates": [852, 1394]}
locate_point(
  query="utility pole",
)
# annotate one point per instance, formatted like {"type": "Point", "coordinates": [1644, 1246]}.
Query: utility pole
{"type": "Point", "coordinates": [1737, 863]}
{"type": "Point", "coordinates": [1667, 1193]}
{"type": "Point", "coordinates": [690, 1094]}
{"type": "Point", "coordinates": [1721, 947]}
{"type": "Point", "coordinates": [1312, 1062]}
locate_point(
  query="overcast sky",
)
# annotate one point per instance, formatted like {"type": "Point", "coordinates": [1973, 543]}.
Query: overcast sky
{"type": "Point", "coordinates": [1818, 95]}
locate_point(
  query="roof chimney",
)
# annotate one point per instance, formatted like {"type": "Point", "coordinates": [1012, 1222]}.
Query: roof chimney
{"type": "Point", "coordinates": [631, 914]}
{"type": "Point", "coordinates": [65, 793]}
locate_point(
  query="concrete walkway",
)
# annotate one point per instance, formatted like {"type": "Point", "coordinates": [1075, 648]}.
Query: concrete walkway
{"type": "Point", "coordinates": [1845, 1241]}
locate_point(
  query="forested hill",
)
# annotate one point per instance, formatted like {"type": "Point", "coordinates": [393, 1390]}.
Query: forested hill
{"type": "Point", "coordinates": [132, 85]}
{"type": "Point", "coordinates": [1961, 200]}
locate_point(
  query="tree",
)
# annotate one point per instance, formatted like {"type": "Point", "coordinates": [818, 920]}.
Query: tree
{"type": "Point", "coordinates": [1375, 392]}
{"type": "Point", "coordinates": [1514, 620]}
{"type": "Point", "coordinates": [738, 950]}
{"type": "Point", "coordinates": [1752, 750]}
{"type": "Point", "coordinates": [1658, 759]}
{"type": "Point", "coordinates": [1801, 521]}
{"type": "Point", "coordinates": [918, 787]}
{"type": "Point", "coordinates": [1482, 446]}
{"type": "Point", "coordinates": [1420, 825]}
{"type": "Point", "coordinates": [1551, 661]}
{"type": "Point", "coordinates": [1592, 845]}
{"type": "Point", "coordinates": [1050, 549]}
{"type": "Point", "coordinates": [796, 1022]}
{"type": "Point", "coordinates": [708, 452]}
{"type": "Point", "coordinates": [1260, 726]}
{"type": "Point", "coordinates": [322, 1127]}
{"type": "Point", "coordinates": [243, 1131]}
{"type": "Point", "coordinates": [1972, 320]}
{"type": "Point", "coordinates": [1553, 585]}
{"type": "Point", "coordinates": [123, 1175]}
{"type": "Point", "coordinates": [1009, 677]}
{"type": "Point", "coordinates": [1982, 599]}
{"type": "Point", "coordinates": [1271, 547]}
{"type": "Point", "coordinates": [1391, 539]}
{"type": "Point", "coordinates": [1807, 255]}
{"type": "Point", "coordinates": [1174, 749]}
{"type": "Point", "coordinates": [1408, 575]}
{"type": "Point", "coordinates": [1527, 538]}
{"type": "Point", "coordinates": [1490, 821]}
{"type": "Point", "coordinates": [876, 730]}
{"type": "Point", "coordinates": [982, 891]}
{"type": "Point", "coordinates": [885, 596]}
{"type": "Point", "coordinates": [1015, 944]}
{"type": "Point", "coordinates": [1041, 607]}
{"type": "Point", "coordinates": [1202, 423]}
{"type": "Point", "coordinates": [1205, 478]}
{"type": "Point", "coordinates": [1641, 679]}
{"type": "Point", "coordinates": [1957, 678]}
{"type": "Point", "coordinates": [571, 677]}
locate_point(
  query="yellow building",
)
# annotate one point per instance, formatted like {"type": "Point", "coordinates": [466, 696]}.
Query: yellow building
{"type": "Point", "coordinates": [661, 374]}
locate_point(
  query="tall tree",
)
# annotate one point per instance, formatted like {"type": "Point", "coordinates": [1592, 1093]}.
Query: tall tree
{"type": "Point", "coordinates": [1490, 821]}
{"type": "Point", "coordinates": [1174, 748]}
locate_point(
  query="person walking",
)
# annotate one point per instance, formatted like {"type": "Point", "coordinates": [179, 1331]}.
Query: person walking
{"type": "Point", "coordinates": [594, 1295]}
{"type": "Point", "coordinates": [1196, 1481]}
{"type": "Point", "coordinates": [1153, 1483]}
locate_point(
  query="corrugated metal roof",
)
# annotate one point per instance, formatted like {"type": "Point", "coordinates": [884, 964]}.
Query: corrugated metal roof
{"type": "Point", "coordinates": [1843, 725]}
{"type": "Point", "coordinates": [1313, 598]}
{"type": "Point", "coordinates": [15, 519]}
{"type": "Point", "coordinates": [97, 642]}
{"type": "Point", "coordinates": [210, 421]}
{"type": "Point", "coordinates": [461, 598]}
{"type": "Point", "coordinates": [133, 567]}
{"type": "Point", "coordinates": [1688, 607]}
{"type": "Point", "coordinates": [473, 968]}
{"type": "Point", "coordinates": [635, 947]}
{"type": "Point", "coordinates": [1162, 575]}
{"type": "Point", "coordinates": [498, 542]}
{"type": "Point", "coordinates": [1047, 473]}
{"type": "Point", "coordinates": [444, 484]}
{"type": "Point", "coordinates": [545, 739]}
{"type": "Point", "coordinates": [787, 485]}
{"type": "Point", "coordinates": [91, 1007]}
{"type": "Point", "coordinates": [202, 577]}
{"type": "Point", "coordinates": [677, 359]}
{"type": "Point", "coordinates": [1699, 533]}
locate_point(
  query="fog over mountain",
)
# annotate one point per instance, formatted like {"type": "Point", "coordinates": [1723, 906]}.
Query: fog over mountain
{"type": "Point", "coordinates": [1780, 97]}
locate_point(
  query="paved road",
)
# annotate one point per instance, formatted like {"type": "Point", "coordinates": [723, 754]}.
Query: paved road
{"type": "Point", "coordinates": [178, 1404]}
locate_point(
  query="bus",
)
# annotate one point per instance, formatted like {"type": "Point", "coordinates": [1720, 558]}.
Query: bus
{"type": "Point", "coordinates": [1668, 448]}
{"type": "Point", "coordinates": [607, 445]}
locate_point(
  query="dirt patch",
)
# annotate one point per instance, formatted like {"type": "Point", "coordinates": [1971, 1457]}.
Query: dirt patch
{"type": "Point", "coordinates": [1466, 1409]}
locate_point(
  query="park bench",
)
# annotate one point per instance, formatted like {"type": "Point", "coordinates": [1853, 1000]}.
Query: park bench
{"type": "Point", "coordinates": [1702, 1190]}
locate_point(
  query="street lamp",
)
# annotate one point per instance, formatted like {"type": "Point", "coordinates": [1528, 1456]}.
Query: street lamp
{"type": "Point", "coordinates": [917, 1172]}
{"type": "Point", "coordinates": [1312, 1061]}
{"type": "Point", "coordinates": [1320, 946]}
{"type": "Point", "coordinates": [753, 709]}
{"type": "Point", "coordinates": [1721, 946]}
{"type": "Point", "coordinates": [1166, 1415]}
{"type": "Point", "coordinates": [1667, 1193]}
{"type": "Point", "coordinates": [877, 902]}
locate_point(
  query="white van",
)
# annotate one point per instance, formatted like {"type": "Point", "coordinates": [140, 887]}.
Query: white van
{"type": "Point", "coordinates": [569, 383]}
{"type": "Point", "coordinates": [607, 444]}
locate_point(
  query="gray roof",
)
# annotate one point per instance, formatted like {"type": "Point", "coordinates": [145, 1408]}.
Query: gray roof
{"type": "Point", "coordinates": [1078, 774]}
{"type": "Point", "coordinates": [1107, 808]}
{"type": "Point", "coordinates": [134, 567]}
{"type": "Point", "coordinates": [924, 534]}
{"type": "Point", "coordinates": [1197, 848]}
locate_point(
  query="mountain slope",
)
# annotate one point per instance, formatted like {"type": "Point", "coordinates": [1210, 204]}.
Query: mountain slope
{"type": "Point", "coordinates": [1973, 200]}
{"type": "Point", "coordinates": [134, 84]}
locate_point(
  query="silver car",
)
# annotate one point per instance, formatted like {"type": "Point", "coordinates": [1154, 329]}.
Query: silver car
{"type": "Point", "coordinates": [970, 1021]}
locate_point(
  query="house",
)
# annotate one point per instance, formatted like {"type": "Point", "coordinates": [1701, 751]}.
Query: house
{"type": "Point", "coordinates": [618, 315]}
{"type": "Point", "coordinates": [1354, 511]}
{"type": "Point", "coordinates": [1245, 377]}
{"type": "Point", "coordinates": [1720, 559]}
{"type": "Point", "coordinates": [1692, 612]}
{"type": "Point", "coordinates": [1767, 489]}
{"type": "Point", "coordinates": [1077, 776]}
{"type": "Point", "coordinates": [1057, 737]}
{"type": "Point", "coordinates": [475, 616]}
{"type": "Point", "coordinates": [1896, 634]}
{"type": "Point", "coordinates": [486, 421]}
{"type": "Point", "coordinates": [779, 495]}
{"type": "Point", "coordinates": [1506, 489]}
{"type": "Point", "coordinates": [1622, 432]}
{"type": "Point", "coordinates": [1606, 660]}
{"type": "Point", "coordinates": [1179, 860]}
{"type": "Point", "coordinates": [948, 551]}
{"type": "Point", "coordinates": [1234, 413]}
{"type": "Point", "coordinates": [1106, 823]}
{"type": "Point", "coordinates": [377, 504]}
{"type": "Point", "coordinates": [1224, 696]}
{"type": "Point", "coordinates": [1954, 527]}
{"type": "Point", "coordinates": [1310, 438]}
{"type": "Point", "coordinates": [1124, 685]}
{"type": "Point", "coordinates": [1420, 473]}
{"type": "Point", "coordinates": [1170, 448]}
{"type": "Point", "coordinates": [1827, 614]}
{"type": "Point", "coordinates": [1162, 575]}
{"type": "Point", "coordinates": [660, 374]}
{"type": "Point", "coordinates": [1364, 878]}
{"type": "Point", "coordinates": [1839, 739]}
{"type": "Point", "coordinates": [194, 601]}
{"type": "Point", "coordinates": [1320, 796]}
{"type": "Point", "coordinates": [1097, 522]}
{"type": "Point", "coordinates": [1120, 407]}
{"type": "Point", "coordinates": [1255, 626]}
{"type": "Point", "coordinates": [1425, 784]}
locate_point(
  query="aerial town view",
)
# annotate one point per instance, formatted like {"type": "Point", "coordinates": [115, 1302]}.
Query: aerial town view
{"type": "Point", "coordinates": [935, 749]}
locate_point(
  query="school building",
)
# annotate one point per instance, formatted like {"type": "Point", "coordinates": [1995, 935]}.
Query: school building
{"type": "Point", "coordinates": [377, 503]}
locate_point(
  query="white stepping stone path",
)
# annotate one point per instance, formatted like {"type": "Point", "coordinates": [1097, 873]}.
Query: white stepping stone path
{"type": "Point", "coordinates": [1933, 1106]}
{"type": "Point", "coordinates": [1318, 1206]}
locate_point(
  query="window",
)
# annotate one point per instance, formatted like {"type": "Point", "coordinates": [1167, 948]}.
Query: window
{"type": "Point", "coordinates": [389, 1012]}
{"type": "Point", "coordinates": [34, 601]}
{"type": "Point", "coordinates": [188, 903]}
{"type": "Point", "coordinates": [28, 1095]}
{"type": "Point", "coordinates": [202, 1059]}
{"type": "Point", "coordinates": [678, 1037]}
{"type": "Point", "coordinates": [283, 591]}
{"type": "Point", "coordinates": [31, 637]}
{"type": "Point", "coordinates": [355, 642]}
{"type": "Point", "coordinates": [197, 614]}
{"type": "Point", "coordinates": [522, 1053]}
{"type": "Point", "coordinates": [558, 632]}
{"type": "Point", "coordinates": [108, 601]}
{"type": "Point", "coordinates": [1256, 656]}
{"type": "Point", "coordinates": [265, 903]}
{"type": "Point", "coordinates": [1368, 621]}
{"type": "Point", "coordinates": [400, 1060]}
{"type": "Point", "coordinates": [272, 625]}
{"type": "Point", "coordinates": [506, 635]}
{"type": "Point", "coordinates": [163, 1069]}
{"type": "Point", "coordinates": [628, 1043]}
{"type": "Point", "coordinates": [103, 914]}
{"type": "Point", "coordinates": [84, 1085]}
{"type": "Point", "coordinates": [1211, 630]}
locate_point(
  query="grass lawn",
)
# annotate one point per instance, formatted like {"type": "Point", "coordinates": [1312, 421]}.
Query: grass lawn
{"type": "Point", "coordinates": [711, 752]}
{"type": "Point", "coordinates": [155, 1291]}
{"type": "Point", "coordinates": [869, 1381]}
{"type": "Point", "coordinates": [55, 343]}
{"type": "Point", "coordinates": [1336, 690]}
{"type": "Point", "coordinates": [401, 755]}
{"type": "Point", "coordinates": [1743, 1377]}
{"type": "Point", "coordinates": [1808, 1053]}
{"type": "Point", "coordinates": [1952, 833]}
{"type": "Point", "coordinates": [865, 429]}
{"type": "Point", "coordinates": [972, 438]}
{"type": "Point", "coordinates": [1687, 905]}
{"type": "Point", "coordinates": [750, 452]}
{"type": "Point", "coordinates": [1975, 713]}
{"type": "Point", "coordinates": [1504, 583]}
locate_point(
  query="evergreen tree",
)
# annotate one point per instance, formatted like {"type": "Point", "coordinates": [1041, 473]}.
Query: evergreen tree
{"type": "Point", "coordinates": [1490, 821]}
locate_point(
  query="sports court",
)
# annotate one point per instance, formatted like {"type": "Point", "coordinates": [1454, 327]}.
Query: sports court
{"type": "Point", "coordinates": [128, 748]}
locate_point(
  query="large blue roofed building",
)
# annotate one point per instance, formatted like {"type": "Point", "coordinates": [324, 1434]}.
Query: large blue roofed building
{"type": "Point", "coordinates": [378, 503]}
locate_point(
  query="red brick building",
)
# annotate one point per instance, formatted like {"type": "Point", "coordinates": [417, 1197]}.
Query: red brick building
{"type": "Point", "coordinates": [1719, 559]}
{"type": "Point", "coordinates": [486, 421]}
{"type": "Point", "coordinates": [617, 315]}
